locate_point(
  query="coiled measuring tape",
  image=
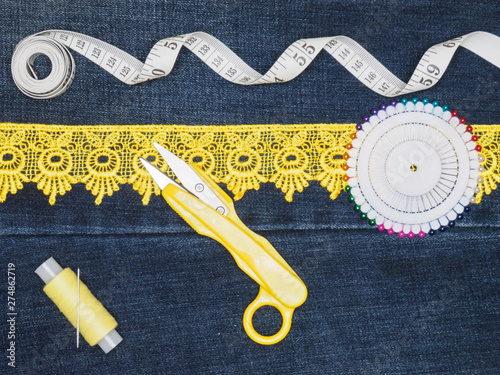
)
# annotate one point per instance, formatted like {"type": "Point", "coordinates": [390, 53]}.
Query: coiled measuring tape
{"type": "Point", "coordinates": [296, 58]}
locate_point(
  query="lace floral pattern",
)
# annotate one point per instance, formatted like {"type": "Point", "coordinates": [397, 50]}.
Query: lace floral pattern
{"type": "Point", "coordinates": [243, 157]}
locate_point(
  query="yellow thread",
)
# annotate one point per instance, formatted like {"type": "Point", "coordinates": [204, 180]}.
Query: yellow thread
{"type": "Point", "coordinates": [103, 157]}
{"type": "Point", "coordinates": [95, 320]}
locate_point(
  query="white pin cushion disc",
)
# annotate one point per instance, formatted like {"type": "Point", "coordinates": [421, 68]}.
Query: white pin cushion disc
{"type": "Point", "coordinates": [413, 169]}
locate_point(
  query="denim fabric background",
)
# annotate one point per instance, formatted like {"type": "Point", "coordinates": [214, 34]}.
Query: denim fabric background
{"type": "Point", "coordinates": [376, 305]}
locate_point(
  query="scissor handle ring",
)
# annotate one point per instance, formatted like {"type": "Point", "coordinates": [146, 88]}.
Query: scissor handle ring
{"type": "Point", "coordinates": [266, 299]}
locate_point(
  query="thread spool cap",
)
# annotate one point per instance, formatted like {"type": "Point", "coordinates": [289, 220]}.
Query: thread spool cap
{"type": "Point", "coordinates": [110, 341]}
{"type": "Point", "coordinates": [48, 270]}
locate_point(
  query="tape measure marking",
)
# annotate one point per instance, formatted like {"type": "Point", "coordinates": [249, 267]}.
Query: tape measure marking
{"type": "Point", "coordinates": [292, 62]}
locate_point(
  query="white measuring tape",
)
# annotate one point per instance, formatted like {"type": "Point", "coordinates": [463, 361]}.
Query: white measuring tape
{"type": "Point", "coordinates": [214, 53]}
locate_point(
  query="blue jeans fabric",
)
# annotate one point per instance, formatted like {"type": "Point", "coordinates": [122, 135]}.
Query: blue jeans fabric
{"type": "Point", "coordinates": [376, 304]}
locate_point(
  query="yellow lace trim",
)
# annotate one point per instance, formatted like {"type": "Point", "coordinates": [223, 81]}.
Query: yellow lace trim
{"type": "Point", "coordinates": [103, 157]}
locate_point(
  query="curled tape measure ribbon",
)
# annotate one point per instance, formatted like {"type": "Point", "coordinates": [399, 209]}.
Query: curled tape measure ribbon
{"type": "Point", "coordinates": [296, 58]}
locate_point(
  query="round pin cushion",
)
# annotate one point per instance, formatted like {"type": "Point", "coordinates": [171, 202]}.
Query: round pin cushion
{"type": "Point", "coordinates": [413, 168]}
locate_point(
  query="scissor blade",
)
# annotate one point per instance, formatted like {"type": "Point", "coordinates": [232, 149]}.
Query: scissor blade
{"type": "Point", "coordinates": [191, 181]}
{"type": "Point", "coordinates": [161, 179]}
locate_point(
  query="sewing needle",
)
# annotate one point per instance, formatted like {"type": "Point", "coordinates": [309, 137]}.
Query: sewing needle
{"type": "Point", "coordinates": [78, 309]}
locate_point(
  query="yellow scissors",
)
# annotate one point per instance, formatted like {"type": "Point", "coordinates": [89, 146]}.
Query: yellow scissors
{"type": "Point", "coordinates": [210, 211]}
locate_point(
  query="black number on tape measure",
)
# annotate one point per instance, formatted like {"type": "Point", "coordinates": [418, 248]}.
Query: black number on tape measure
{"type": "Point", "coordinates": [309, 49]}
{"type": "Point", "coordinates": [231, 72]}
{"type": "Point", "coordinates": [357, 65]}
{"type": "Point", "coordinates": [371, 77]}
{"type": "Point", "coordinates": [451, 43]}
{"type": "Point", "coordinates": [63, 37]}
{"type": "Point", "coordinates": [204, 49]}
{"type": "Point", "coordinates": [384, 87]}
{"type": "Point", "coordinates": [96, 52]}
{"type": "Point", "coordinates": [171, 45]}
{"type": "Point", "coordinates": [332, 43]}
{"type": "Point", "coordinates": [158, 72]}
{"type": "Point", "coordinates": [80, 43]}
{"type": "Point", "coordinates": [276, 79]}
{"type": "Point", "coordinates": [125, 70]}
{"type": "Point", "coordinates": [191, 40]}
{"type": "Point", "coordinates": [301, 60]}
{"type": "Point", "coordinates": [111, 62]}
{"type": "Point", "coordinates": [425, 82]}
{"type": "Point", "coordinates": [245, 79]}
{"type": "Point", "coordinates": [344, 53]}
{"type": "Point", "coordinates": [433, 69]}
{"type": "Point", "coordinates": [217, 61]}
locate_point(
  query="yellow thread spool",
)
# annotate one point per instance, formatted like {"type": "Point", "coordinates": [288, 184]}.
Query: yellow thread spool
{"type": "Point", "coordinates": [97, 326]}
